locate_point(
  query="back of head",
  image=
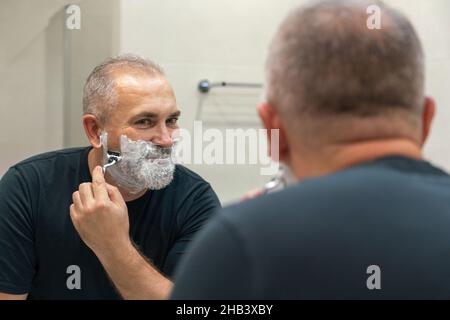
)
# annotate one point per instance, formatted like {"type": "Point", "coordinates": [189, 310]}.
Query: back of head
{"type": "Point", "coordinates": [326, 63]}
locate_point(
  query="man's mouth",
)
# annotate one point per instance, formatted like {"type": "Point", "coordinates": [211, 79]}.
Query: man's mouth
{"type": "Point", "coordinates": [161, 158]}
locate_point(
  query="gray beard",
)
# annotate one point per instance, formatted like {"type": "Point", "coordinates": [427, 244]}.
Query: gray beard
{"type": "Point", "coordinates": [142, 165]}
{"type": "Point", "coordinates": [136, 176]}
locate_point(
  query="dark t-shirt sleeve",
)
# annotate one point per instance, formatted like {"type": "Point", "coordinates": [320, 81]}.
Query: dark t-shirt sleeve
{"type": "Point", "coordinates": [193, 214]}
{"type": "Point", "coordinates": [217, 259]}
{"type": "Point", "coordinates": [17, 257]}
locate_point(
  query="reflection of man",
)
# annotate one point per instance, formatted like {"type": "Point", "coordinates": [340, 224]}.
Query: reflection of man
{"type": "Point", "coordinates": [370, 218]}
{"type": "Point", "coordinates": [129, 106]}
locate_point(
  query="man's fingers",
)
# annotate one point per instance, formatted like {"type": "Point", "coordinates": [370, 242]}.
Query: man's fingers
{"type": "Point", "coordinates": [114, 194]}
{"type": "Point", "coordinates": [74, 216]}
{"type": "Point", "coordinates": [86, 195]}
{"type": "Point", "coordinates": [99, 185]}
{"type": "Point", "coordinates": [252, 194]}
{"type": "Point", "coordinates": [77, 201]}
{"type": "Point", "coordinates": [97, 175]}
{"type": "Point", "coordinates": [73, 213]}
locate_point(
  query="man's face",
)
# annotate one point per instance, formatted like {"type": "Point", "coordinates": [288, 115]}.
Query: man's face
{"type": "Point", "coordinates": [146, 110]}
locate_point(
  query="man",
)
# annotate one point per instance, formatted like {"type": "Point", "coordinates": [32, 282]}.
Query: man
{"type": "Point", "coordinates": [369, 218]}
{"type": "Point", "coordinates": [129, 109]}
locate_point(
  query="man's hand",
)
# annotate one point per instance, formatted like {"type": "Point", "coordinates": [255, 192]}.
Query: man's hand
{"type": "Point", "coordinates": [252, 194]}
{"type": "Point", "coordinates": [100, 215]}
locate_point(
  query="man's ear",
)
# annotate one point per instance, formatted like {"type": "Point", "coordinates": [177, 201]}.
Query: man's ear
{"type": "Point", "coordinates": [271, 121]}
{"type": "Point", "coordinates": [92, 129]}
{"type": "Point", "coordinates": [429, 110]}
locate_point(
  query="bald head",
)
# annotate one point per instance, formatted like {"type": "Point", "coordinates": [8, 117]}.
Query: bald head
{"type": "Point", "coordinates": [104, 82]}
{"type": "Point", "coordinates": [325, 63]}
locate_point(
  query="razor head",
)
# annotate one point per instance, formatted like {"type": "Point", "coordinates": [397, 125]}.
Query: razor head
{"type": "Point", "coordinates": [112, 158]}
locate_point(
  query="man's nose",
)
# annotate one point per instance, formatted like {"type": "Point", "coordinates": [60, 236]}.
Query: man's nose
{"type": "Point", "coordinates": [163, 137]}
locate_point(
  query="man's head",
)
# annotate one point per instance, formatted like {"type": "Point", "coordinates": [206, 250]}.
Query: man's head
{"type": "Point", "coordinates": [332, 80]}
{"type": "Point", "coordinates": [129, 95]}
{"type": "Point", "coordinates": [130, 100]}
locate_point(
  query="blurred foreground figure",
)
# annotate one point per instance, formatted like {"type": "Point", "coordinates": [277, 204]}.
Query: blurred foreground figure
{"type": "Point", "coordinates": [368, 218]}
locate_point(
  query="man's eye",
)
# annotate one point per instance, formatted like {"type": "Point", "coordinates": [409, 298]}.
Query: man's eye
{"type": "Point", "coordinates": [172, 121]}
{"type": "Point", "coordinates": [143, 122]}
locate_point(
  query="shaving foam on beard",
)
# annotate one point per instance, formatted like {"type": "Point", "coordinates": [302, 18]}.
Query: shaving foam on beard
{"type": "Point", "coordinates": [140, 164]}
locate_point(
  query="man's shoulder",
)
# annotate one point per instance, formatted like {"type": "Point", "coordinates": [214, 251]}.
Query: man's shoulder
{"type": "Point", "coordinates": [369, 185]}
{"type": "Point", "coordinates": [43, 160]}
{"type": "Point", "coordinates": [52, 165]}
{"type": "Point", "coordinates": [345, 205]}
{"type": "Point", "coordinates": [189, 185]}
{"type": "Point", "coordinates": [51, 155]}
{"type": "Point", "coordinates": [184, 175]}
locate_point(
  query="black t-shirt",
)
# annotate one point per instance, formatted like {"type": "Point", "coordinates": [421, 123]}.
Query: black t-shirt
{"type": "Point", "coordinates": [380, 230]}
{"type": "Point", "coordinates": [40, 250]}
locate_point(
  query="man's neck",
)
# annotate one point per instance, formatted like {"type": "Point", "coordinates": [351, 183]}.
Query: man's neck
{"type": "Point", "coordinates": [338, 157]}
{"type": "Point", "coordinates": [95, 158]}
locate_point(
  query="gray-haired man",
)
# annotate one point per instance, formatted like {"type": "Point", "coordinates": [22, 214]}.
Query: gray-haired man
{"type": "Point", "coordinates": [129, 107]}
